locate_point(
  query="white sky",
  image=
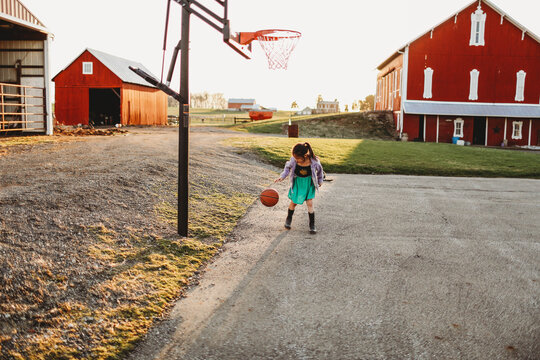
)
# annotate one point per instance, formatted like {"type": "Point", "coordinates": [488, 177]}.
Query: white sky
{"type": "Point", "coordinates": [342, 41]}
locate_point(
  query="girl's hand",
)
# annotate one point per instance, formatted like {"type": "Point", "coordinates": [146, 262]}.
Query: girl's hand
{"type": "Point", "coordinates": [278, 180]}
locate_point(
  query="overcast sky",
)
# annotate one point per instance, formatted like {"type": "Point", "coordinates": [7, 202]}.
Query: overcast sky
{"type": "Point", "coordinates": [342, 41]}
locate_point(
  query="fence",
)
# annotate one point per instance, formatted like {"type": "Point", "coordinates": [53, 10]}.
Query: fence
{"type": "Point", "coordinates": [22, 108]}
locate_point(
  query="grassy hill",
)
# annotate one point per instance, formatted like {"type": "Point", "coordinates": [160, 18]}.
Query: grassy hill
{"type": "Point", "coordinates": [364, 125]}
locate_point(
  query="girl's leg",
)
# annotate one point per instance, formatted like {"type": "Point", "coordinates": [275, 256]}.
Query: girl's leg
{"type": "Point", "coordinates": [311, 213]}
{"type": "Point", "coordinates": [309, 204]}
{"type": "Point", "coordinates": [290, 213]}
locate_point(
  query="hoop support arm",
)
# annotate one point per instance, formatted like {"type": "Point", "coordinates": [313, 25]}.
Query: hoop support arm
{"type": "Point", "coordinates": [150, 79]}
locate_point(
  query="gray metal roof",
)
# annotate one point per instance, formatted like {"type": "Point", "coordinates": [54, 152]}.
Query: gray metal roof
{"type": "Point", "coordinates": [471, 109]}
{"type": "Point", "coordinates": [120, 67]}
{"type": "Point", "coordinates": [242, 101]}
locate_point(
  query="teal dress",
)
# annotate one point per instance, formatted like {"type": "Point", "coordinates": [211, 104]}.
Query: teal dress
{"type": "Point", "coordinates": [303, 188]}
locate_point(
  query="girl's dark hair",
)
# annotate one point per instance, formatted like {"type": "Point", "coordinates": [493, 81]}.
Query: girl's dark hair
{"type": "Point", "coordinates": [301, 149]}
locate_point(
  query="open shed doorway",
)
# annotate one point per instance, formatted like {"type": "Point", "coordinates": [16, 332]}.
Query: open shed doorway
{"type": "Point", "coordinates": [104, 107]}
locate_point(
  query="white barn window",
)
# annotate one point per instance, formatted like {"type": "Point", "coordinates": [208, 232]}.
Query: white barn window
{"type": "Point", "coordinates": [520, 85]}
{"type": "Point", "coordinates": [428, 80]}
{"type": "Point", "coordinates": [473, 90]}
{"type": "Point", "coordinates": [458, 127]}
{"type": "Point", "coordinates": [478, 25]}
{"type": "Point", "coordinates": [87, 68]}
{"type": "Point", "coordinates": [517, 127]}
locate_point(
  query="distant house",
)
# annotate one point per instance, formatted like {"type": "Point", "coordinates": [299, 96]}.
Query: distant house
{"type": "Point", "coordinates": [306, 111]}
{"type": "Point", "coordinates": [236, 104]}
{"type": "Point", "coordinates": [474, 77]}
{"type": "Point", "coordinates": [24, 71]}
{"type": "Point", "coordinates": [325, 107]}
{"type": "Point", "coordinates": [99, 89]}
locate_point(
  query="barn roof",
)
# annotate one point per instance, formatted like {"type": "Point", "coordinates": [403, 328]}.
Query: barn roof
{"type": "Point", "coordinates": [120, 67]}
{"type": "Point", "coordinates": [242, 101]}
{"type": "Point", "coordinates": [488, 3]}
{"type": "Point", "coordinates": [471, 109]}
{"type": "Point", "coordinates": [14, 11]}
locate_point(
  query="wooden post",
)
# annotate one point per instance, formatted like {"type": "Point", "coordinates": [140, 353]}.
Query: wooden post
{"type": "Point", "coordinates": [25, 109]}
{"type": "Point", "coordinates": [3, 108]}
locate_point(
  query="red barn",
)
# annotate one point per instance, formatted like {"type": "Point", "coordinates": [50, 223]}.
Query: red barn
{"type": "Point", "coordinates": [100, 89]}
{"type": "Point", "coordinates": [239, 104]}
{"type": "Point", "coordinates": [474, 77]}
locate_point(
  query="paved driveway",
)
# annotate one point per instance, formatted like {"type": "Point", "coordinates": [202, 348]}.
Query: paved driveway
{"type": "Point", "coordinates": [403, 267]}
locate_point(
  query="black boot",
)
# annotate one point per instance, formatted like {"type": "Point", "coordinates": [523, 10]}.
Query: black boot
{"type": "Point", "coordinates": [288, 220]}
{"type": "Point", "coordinates": [312, 229]}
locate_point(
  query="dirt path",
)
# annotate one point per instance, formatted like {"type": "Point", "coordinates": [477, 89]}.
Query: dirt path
{"type": "Point", "coordinates": [53, 195]}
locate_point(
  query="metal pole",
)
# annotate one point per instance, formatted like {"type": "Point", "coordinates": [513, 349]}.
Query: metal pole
{"type": "Point", "coordinates": [183, 141]}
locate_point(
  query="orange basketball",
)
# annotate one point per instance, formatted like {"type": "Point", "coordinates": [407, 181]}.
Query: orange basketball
{"type": "Point", "coordinates": [269, 197]}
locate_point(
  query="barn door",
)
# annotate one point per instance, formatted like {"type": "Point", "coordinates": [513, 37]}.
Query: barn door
{"type": "Point", "coordinates": [104, 106]}
{"type": "Point", "coordinates": [420, 128]}
{"type": "Point", "coordinates": [479, 131]}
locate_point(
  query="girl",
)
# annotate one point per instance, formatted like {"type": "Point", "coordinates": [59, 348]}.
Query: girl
{"type": "Point", "coordinates": [306, 176]}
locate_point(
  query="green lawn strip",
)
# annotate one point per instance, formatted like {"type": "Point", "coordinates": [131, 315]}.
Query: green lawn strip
{"type": "Point", "coordinates": [274, 125]}
{"type": "Point", "coordinates": [357, 156]}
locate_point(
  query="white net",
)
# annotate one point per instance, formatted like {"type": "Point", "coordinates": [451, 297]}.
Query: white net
{"type": "Point", "coordinates": [278, 45]}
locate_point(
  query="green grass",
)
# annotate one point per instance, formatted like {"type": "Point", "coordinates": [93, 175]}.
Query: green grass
{"type": "Point", "coordinates": [356, 156]}
{"type": "Point", "coordinates": [274, 125]}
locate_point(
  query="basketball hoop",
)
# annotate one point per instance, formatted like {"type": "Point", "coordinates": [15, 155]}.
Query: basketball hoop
{"type": "Point", "coordinates": [277, 44]}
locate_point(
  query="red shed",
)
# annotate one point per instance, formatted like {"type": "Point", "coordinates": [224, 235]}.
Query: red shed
{"type": "Point", "coordinates": [100, 89]}
{"type": "Point", "coordinates": [474, 77]}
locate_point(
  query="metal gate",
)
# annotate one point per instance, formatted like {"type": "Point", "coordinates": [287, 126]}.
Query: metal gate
{"type": "Point", "coordinates": [22, 108]}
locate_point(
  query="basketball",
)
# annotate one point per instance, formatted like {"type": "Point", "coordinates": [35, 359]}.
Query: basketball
{"type": "Point", "coordinates": [269, 197]}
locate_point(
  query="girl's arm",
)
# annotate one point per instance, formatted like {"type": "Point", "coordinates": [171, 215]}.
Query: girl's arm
{"type": "Point", "coordinates": [320, 173]}
{"type": "Point", "coordinates": [286, 171]}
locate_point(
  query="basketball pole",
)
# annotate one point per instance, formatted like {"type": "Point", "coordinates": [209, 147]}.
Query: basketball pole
{"type": "Point", "coordinates": [221, 25]}
{"type": "Point", "coordinates": [183, 126]}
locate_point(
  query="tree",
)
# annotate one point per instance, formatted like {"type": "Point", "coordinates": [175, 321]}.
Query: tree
{"type": "Point", "coordinates": [367, 104]}
{"type": "Point", "coordinates": [294, 105]}
{"type": "Point", "coordinates": [346, 108]}
{"type": "Point", "coordinates": [205, 100]}
{"type": "Point", "coordinates": [370, 99]}
{"type": "Point", "coordinates": [354, 105]}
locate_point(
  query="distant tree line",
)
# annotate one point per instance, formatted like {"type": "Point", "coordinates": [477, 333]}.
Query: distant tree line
{"type": "Point", "coordinates": [364, 105]}
{"type": "Point", "coordinates": [203, 100]}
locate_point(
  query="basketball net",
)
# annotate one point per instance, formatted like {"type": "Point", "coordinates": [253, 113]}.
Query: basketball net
{"type": "Point", "coordinates": [278, 45]}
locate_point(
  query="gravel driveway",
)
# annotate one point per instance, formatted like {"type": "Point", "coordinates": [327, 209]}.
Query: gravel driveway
{"type": "Point", "coordinates": [53, 195]}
